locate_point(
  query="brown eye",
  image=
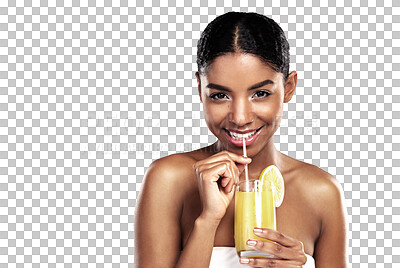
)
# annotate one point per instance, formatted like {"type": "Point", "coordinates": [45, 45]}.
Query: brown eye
{"type": "Point", "coordinates": [218, 96]}
{"type": "Point", "coordinates": [261, 94]}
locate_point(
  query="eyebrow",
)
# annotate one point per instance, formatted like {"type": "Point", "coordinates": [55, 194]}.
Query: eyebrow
{"type": "Point", "coordinates": [223, 88]}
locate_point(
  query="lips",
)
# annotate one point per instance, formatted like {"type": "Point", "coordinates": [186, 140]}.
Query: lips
{"type": "Point", "coordinates": [236, 136]}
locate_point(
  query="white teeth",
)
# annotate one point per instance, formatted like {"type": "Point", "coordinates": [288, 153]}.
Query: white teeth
{"type": "Point", "coordinates": [240, 137]}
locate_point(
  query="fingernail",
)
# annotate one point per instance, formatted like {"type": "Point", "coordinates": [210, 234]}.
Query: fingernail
{"type": "Point", "coordinates": [243, 260]}
{"type": "Point", "coordinates": [257, 230]}
{"type": "Point", "coordinates": [251, 242]}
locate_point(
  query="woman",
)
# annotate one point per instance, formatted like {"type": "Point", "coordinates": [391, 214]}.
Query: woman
{"type": "Point", "coordinates": [184, 217]}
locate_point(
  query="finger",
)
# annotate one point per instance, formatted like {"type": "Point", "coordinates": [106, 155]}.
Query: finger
{"type": "Point", "coordinates": [228, 185]}
{"type": "Point", "coordinates": [205, 166]}
{"type": "Point", "coordinates": [236, 158]}
{"type": "Point", "coordinates": [229, 155]}
{"type": "Point", "coordinates": [269, 262]}
{"type": "Point", "coordinates": [278, 237]}
{"type": "Point", "coordinates": [214, 173]}
{"type": "Point", "coordinates": [227, 182]}
{"type": "Point", "coordinates": [277, 250]}
{"type": "Point", "coordinates": [234, 180]}
{"type": "Point", "coordinates": [202, 165]}
{"type": "Point", "coordinates": [240, 168]}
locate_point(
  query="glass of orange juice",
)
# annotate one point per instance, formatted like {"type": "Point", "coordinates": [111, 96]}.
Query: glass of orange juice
{"type": "Point", "coordinates": [254, 207]}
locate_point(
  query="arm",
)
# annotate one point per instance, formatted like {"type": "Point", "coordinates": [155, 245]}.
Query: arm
{"type": "Point", "coordinates": [157, 232]}
{"type": "Point", "coordinates": [331, 247]}
{"type": "Point", "coordinates": [197, 252]}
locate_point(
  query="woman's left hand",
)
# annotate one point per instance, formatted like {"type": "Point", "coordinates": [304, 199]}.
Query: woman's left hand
{"type": "Point", "coordinates": [287, 251]}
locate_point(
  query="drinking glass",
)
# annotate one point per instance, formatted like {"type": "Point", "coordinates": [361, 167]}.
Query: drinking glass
{"type": "Point", "coordinates": [254, 207]}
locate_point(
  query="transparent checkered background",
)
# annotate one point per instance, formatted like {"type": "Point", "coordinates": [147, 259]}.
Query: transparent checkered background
{"type": "Point", "coordinates": [93, 91]}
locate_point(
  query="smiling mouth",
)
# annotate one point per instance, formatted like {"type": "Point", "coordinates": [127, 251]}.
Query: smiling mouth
{"type": "Point", "coordinates": [241, 136]}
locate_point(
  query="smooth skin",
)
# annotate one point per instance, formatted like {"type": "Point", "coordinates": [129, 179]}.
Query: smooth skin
{"type": "Point", "coordinates": [185, 206]}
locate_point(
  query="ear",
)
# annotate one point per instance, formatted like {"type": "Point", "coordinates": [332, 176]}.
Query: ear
{"type": "Point", "coordinates": [198, 84]}
{"type": "Point", "coordinates": [290, 86]}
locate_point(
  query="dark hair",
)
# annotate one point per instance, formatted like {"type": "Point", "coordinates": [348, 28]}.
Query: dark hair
{"type": "Point", "coordinates": [240, 32]}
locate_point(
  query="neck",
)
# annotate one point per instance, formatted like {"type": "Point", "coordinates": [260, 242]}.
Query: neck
{"type": "Point", "coordinates": [267, 156]}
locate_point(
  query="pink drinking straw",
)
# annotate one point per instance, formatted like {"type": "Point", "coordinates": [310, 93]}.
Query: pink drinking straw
{"type": "Point", "coordinates": [246, 170]}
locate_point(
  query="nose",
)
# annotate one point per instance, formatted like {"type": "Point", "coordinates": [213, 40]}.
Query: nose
{"type": "Point", "coordinates": [241, 112]}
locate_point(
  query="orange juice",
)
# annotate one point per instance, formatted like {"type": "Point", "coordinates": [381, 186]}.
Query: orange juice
{"type": "Point", "coordinates": [254, 207]}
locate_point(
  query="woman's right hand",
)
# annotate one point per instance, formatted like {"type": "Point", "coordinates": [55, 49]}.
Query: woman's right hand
{"type": "Point", "coordinates": [216, 178]}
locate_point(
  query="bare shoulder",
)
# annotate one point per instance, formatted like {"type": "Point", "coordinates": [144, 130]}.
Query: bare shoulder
{"type": "Point", "coordinates": [324, 186]}
{"type": "Point", "coordinates": [161, 197]}
{"type": "Point", "coordinates": [173, 175]}
{"type": "Point", "coordinates": [314, 179]}
{"type": "Point", "coordinates": [323, 193]}
{"type": "Point", "coordinates": [175, 167]}
{"type": "Point", "coordinates": [321, 190]}
{"type": "Point", "coordinates": [171, 168]}
{"type": "Point", "coordinates": [324, 180]}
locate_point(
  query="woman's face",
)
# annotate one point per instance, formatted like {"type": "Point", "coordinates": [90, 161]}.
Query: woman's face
{"type": "Point", "coordinates": [243, 99]}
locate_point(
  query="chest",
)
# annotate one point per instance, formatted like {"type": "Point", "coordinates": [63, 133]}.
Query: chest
{"type": "Point", "coordinates": [294, 218]}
